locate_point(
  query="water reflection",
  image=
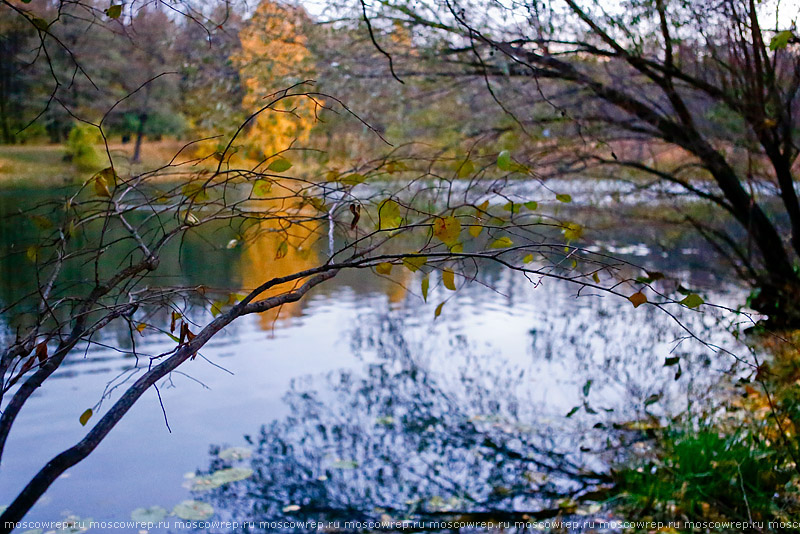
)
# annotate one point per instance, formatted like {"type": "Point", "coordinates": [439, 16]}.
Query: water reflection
{"type": "Point", "coordinates": [432, 428]}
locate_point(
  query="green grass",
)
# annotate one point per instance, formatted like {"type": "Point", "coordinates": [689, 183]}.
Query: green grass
{"type": "Point", "coordinates": [707, 475]}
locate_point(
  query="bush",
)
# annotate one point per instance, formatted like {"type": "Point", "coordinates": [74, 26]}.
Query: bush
{"type": "Point", "coordinates": [82, 147]}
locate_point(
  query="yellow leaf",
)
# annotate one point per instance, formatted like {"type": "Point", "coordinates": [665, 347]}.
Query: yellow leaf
{"type": "Point", "coordinates": [384, 268]}
{"type": "Point", "coordinates": [447, 229]}
{"type": "Point", "coordinates": [475, 230]}
{"type": "Point", "coordinates": [596, 277]}
{"type": "Point", "coordinates": [140, 327]}
{"type": "Point", "coordinates": [637, 299]}
{"type": "Point", "coordinates": [438, 311]}
{"type": "Point", "coordinates": [573, 231]}
{"type": "Point", "coordinates": [448, 279]}
{"type": "Point", "coordinates": [528, 258]}
{"type": "Point", "coordinates": [563, 197]}
{"type": "Point", "coordinates": [414, 263]}
{"type": "Point", "coordinates": [195, 191]}
{"type": "Point", "coordinates": [465, 169]}
{"type": "Point", "coordinates": [389, 214]}
{"type": "Point", "coordinates": [483, 206]}
{"type": "Point", "coordinates": [458, 248]}
{"type": "Point", "coordinates": [85, 416]}
{"type": "Point", "coordinates": [425, 285]}
{"type": "Point", "coordinates": [101, 187]}
{"type": "Point", "coordinates": [503, 242]}
{"type": "Point", "coordinates": [32, 253]}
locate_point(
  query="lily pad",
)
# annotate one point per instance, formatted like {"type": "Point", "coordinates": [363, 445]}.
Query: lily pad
{"type": "Point", "coordinates": [193, 510]}
{"type": "Point", "coordinates": [235, 453]}
{"type": "Point", "coordinates": [153, 514]}
{"type": "Point", "coordinates": [344, 464]}
{"type": "Point", "coordinates": [218, 478]}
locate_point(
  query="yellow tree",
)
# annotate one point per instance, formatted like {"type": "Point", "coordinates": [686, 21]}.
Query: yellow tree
{"type": "Point", "coordinates": [274, 55]}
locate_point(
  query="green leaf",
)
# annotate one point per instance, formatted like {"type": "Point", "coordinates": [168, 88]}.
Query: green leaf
{"type": "Point", "coordinates": [153, 514]}
{"type": "Point", "coordinates": [85, 416]}
{"type": "Point", "coordinates": [447, 229]}
{"type": "Point", "coordinates": [283, 249]}
{"type": "Point", "coordinates": [389, 215]}
{"type": "Point", "coordinates": [114, 12]}
{"type": "Point", "coordinates": [40, 23]}
{"type": "Point", "coordinates": [352, 179]}
{"type": "Point", "coordinates": [344, 464]}
{"type": "Point", "coordinates": [692, 300]}
{"type": "Point", "coordinates": [502, 242]}
{"type": "Point", "coordinates": [573, 411]}
{"type": "Point", "coordinates": [425, 285]}
{"type": "Point", "coordinates": [193, 510]}
{"type": "Point", "coordinates": [504, 161]}
{"type": "Point", "coordinates": [652, 399]}
{"type": "Point", "coordinates": [513, 207]}
{"type": "Point", "coordinates": [438, 310]}
{"type": "Point", "coordinates": [586, 387]}
{"type": "Point", "coordinates": [195, 191]}
{"type": "Point", "coordinates": [261, 188]}
{"type": "Point", "coordinates": [280, 165]}
{"type": "Point", "coordinates": [528, 258]}
{"type": "Point", "coordinates": [448, 279]}
{"type": "Point", "coordinates": [531, 205]}
{"type": "Point", "coordinates": [673, 360]}
{"type": "Point", "coordinates": [465, 169]}
{"type": "Point", "coordinates": [384, 268]}
{"type": "Point", "coordinates": [563, 197]}
{"type": "Point", "coordinates": [780, 40]}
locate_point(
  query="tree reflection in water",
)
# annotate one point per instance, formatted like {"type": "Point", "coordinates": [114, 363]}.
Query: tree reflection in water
{"type": "Point", "coordinates": [404, 441]}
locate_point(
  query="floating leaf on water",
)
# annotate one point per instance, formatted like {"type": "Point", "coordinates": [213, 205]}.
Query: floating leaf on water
{"type": "Point", "coordinates": [32, 531]}
{"type": "Point", "coordinates": [148, 515]}
{"type": "Point", "coordinates": [344, 464]}
{"type": "Point", "coordinates": [291, 508]}
{"type": "Point", "coordinates": [235, 453]}
{"type": "Point", "coordinates": [232, 244]}
{"type": "Point", "coordinates": [193, 510]}
{"type": "Point", "coordinates": [231, 474]}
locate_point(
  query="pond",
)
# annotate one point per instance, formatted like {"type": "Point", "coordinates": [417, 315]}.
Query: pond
{"type": "Point", "coordinates": [358, 403]}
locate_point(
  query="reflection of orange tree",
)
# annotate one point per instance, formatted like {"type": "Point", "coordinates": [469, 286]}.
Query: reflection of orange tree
{"type": "Point", "coordinates": [274, 56]}
{"type": "Point", "coordinates": [295, 252]}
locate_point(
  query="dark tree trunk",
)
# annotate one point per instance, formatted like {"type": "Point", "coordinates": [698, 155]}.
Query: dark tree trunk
{"type": "Point", "coordinates": [137, 150]}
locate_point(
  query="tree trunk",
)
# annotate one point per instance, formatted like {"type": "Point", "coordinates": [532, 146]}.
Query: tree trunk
{"type": "Point", "coordinates": [139, 136]}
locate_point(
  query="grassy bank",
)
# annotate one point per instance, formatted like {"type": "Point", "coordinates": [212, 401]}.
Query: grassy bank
{"type": "Point", "coordinates": [46, 165]}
